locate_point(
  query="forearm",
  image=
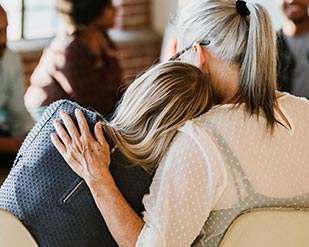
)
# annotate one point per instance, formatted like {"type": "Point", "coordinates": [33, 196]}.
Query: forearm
{"type": "Point", "coordinates": [90, 159]}
{"type": "Point", "coordinates": [10, 144]}
{"type": "Point", "coordinates": [123, 222]}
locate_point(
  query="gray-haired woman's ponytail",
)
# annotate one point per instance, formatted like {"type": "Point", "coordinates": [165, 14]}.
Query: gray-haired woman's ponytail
{"type": "Point", "coordinates": [239, 33]}
{"type": "Point", "coordinates": [258, 66]}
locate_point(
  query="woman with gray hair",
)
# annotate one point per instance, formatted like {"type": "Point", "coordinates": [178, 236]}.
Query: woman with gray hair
{"type": "Point", "coordinates": [237, 156]}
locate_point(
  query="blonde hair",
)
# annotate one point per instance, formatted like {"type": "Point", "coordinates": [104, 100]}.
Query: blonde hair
{"type": "Point", "coordinates": [153, 107]}
{"type": "Point", "coordinates": [249, 42]}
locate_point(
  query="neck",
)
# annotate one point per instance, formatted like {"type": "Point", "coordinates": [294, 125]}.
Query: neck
{"type": "Point", "coordinates": [291, 28]}
{"type": "Point", "coordinates": [226, 77]}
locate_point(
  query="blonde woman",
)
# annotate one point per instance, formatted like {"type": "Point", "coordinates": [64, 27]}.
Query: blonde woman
{"type": "Point", "coordinates": [153, 107]}
{"type": "Point", "coordinates": [251, 150]}
{"type": "Point", "coordinates": [148, 117]}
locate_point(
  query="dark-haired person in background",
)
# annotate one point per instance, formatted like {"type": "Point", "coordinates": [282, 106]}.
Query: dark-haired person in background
{"type": "Point", "coordinates": [82, 65]}
{"type": "Point", "coordinates": [293, 45]}
{"type": "Point", "coordinates": [15, 121]}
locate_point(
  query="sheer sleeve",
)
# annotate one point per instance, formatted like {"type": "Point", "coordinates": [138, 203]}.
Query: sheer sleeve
{"type": "Point", "coordinates": [185, 188]}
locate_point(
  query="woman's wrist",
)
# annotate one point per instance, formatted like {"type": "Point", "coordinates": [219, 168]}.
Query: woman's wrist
{"type": "Point", "coordinates": [104, 182]}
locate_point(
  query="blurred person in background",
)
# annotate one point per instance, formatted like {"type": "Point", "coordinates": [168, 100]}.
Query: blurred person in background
{"type": "Point", "coordinates": [81, 65]}
{"type": "Point", "coordinates": [293, 48]}
{"type": "Point", "coordinates": [15, 121]}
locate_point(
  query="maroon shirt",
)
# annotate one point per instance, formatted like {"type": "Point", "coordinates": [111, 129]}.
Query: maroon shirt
{"type": "Point", "coordinates": [67, 70]}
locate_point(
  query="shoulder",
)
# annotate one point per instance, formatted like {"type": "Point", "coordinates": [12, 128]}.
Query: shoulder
{"type": "Point", "coordinates": [63, 44]}
{"type": "Point", "coordinates": [296, 107]}
{"type": "Point", "coordinates": [282, 45]}
{"type": "Point", "coordinates": [194, 130]}
{"type": "Point", "coordinates": [280, 34]}
{"type": "Point", "coordinates": [197, 139]}
{"type": "Point", "coordinates": [281, 39]}
{"type": "Point", "coordinates": [63, 49]}
{"type": "Point", "coordinates": [292, 100]}
{"type": "Point", "coordinates": [11, 62]}
{"type": "Point", "coordinates": [10, 55]}
{"type": "Point", "coordinates": [61, 41]}
{"type": "Point", "coordinates": [75, 49]}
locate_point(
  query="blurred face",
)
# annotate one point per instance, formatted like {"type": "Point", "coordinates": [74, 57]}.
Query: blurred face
{"type": "Point", "coordinates": [295, 10]}
{"type": "Point", "coordinates": [107, 19]}
{"type": "Point", "coordinates": [3, 27]}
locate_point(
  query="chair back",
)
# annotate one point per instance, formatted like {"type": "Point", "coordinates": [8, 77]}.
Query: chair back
{"type": "Point", "coordinates": [13, 233]}
{"type": "Point", "coordinates": [269, 227]}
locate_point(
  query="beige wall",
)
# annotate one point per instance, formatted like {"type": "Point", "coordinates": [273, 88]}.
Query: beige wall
{"type": "Point", "coordinates": [162, 10]}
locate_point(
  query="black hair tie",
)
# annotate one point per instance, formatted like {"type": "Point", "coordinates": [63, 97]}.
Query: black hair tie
{"type": "Point", "coordinates": [242, 9]}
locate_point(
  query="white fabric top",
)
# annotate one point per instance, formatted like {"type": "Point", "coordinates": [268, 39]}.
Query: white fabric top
{"type": "Point", "coordinates": [222, 163]}
{"type": "Point", "coordinates": [12, 108]}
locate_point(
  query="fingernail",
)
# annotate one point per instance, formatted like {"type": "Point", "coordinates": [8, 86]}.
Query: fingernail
{"type": "Point", "coordinates": [99, 125]}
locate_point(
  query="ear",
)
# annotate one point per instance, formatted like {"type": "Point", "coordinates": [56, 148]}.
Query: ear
{"type": "Point", "coordinates": [201, 56]}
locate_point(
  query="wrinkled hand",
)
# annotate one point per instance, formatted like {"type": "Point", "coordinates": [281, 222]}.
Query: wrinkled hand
{"type": "Point", "coordinates": [87, 156]}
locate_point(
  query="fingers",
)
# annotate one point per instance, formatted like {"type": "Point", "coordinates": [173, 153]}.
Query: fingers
{"type": "Point", "coordinates": [70, 125]}
{"type": "Point", "coordinates": [58, 144]}
{"type": "Point", "coordinates": [67, 155]}
{"type": "Point", "coordinates": [63, 135]}
{"type": "Point", "coordinates": [105, 148]}
{"type": "Point", "coordinates": [98, 132]}
{"type": "Point", "coordinates": [72, 129]}
{"type": "Point", "coordinates": [82, 124]}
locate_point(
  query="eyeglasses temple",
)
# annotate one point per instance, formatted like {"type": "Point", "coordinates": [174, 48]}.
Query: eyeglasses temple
{"type": "Point", "coordinates": [178, 54]}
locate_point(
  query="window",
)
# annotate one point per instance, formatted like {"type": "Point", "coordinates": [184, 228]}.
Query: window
{"type": "Point", "coordinates": [31, 19]}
